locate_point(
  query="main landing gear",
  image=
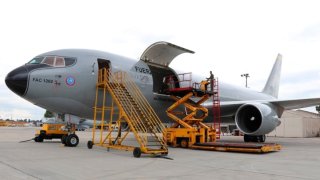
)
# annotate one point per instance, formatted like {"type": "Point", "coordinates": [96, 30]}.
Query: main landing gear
{"type": "Point", "coordinates": [250, 138]}
{"type": "Point", "coordinates": [71, 140]}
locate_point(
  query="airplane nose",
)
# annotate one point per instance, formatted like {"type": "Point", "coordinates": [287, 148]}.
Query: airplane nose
{"type": "Point", "coordinates": [17, 80]}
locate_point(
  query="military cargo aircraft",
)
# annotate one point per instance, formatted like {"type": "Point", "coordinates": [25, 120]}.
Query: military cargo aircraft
{"type": "Point", "coordinates": [64, 81]}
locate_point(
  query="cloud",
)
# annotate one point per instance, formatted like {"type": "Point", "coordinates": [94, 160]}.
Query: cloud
{"type": "Point", "coordinates": [310, 33]}
{"type": "Point", "coordinates": [304, 84]}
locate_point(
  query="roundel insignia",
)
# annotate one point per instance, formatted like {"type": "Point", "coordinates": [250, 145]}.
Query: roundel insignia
{"type": "Point", "coordinates": [70, 81]}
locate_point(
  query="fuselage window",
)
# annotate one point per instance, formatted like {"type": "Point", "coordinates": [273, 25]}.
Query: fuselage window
{"type": "Point", "coordinates": [49, 60]}
{"type": "Point", "coordinates": [59, 62]}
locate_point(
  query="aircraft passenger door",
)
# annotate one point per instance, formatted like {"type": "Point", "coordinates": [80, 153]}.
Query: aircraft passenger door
{"type": "Point", "coordinates": [104, 64]}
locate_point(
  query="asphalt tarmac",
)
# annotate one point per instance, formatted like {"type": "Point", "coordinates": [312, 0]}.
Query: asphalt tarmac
{"type": "Point", "coordinates": [299, 159]}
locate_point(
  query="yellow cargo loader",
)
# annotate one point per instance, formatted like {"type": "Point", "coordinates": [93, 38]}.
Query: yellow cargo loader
{"type": "Point", "coordinates": [57, 131]}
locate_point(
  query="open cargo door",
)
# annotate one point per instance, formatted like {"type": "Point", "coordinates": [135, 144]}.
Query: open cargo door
{"type": "Point", "coordinates": [158, 56]}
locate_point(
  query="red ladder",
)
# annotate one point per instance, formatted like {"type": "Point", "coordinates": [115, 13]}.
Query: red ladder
{"type": "Point", "coordinates": [216, 108]}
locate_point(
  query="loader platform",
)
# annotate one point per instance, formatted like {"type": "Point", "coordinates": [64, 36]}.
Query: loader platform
{"type": "Point", "coordinates": [238, 147]}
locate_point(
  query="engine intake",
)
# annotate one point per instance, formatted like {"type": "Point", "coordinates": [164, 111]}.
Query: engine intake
{"type": "Point", "coordinates": [257, 119]}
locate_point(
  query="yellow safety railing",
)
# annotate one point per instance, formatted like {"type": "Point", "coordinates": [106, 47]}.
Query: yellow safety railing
{"type": "Point", "coordinates": [134, 109]}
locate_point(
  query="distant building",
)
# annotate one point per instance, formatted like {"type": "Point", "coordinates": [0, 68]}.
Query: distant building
{"type": "Point", "coordinates": [298, 123]}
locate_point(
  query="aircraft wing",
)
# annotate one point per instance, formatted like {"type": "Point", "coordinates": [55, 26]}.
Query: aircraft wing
{"type": "Point", "coordinates": [297, 103]}
{"type": "Point", "coordinates": [285, 104]}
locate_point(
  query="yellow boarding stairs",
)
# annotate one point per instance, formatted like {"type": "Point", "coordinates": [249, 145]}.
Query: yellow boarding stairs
{"type": "Point", "coordinates": [133, 109]}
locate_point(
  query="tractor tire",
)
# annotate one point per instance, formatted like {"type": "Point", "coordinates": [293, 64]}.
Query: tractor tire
{"type": "Point", "coordinates": [72, 140]}
{"type": "Point", "coordinates": [63, 139]}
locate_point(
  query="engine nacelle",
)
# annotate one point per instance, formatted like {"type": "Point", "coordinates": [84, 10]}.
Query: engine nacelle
{"type": "Point", "coordinates": [257, 118]}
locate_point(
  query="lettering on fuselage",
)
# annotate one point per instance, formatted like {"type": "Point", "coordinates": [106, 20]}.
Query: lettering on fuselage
{"type": "Point", "coordinates": [142, 70]}
{"type": "Point", "coordinates": [46, 81]}
{"type": "Point", "coordinates": [42, 80]}
{"type": "Point", "coordinates": [143, 78]}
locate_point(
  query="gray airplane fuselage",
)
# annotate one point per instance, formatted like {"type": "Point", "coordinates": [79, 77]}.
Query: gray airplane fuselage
{"type": "Point", "coordinates": [51, 88]}
{"type": "Point", "coordinates": [64, 81]}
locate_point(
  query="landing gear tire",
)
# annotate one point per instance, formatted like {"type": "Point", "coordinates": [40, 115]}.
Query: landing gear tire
{"type": "Point", "coordinates": [72, 140]}
{"type": "Point", "coordinates": [89, 144]}
{"type": "Point", "coordinates": [63, 139]}
{"type": "Point", "coordinates": [249, 138]}
{"type": "Point", "coordinates": [261, 138]}
{"type": "Point", "coordinates": [184, 143]}
{"type": "Point", "coordinates": [137, 152]}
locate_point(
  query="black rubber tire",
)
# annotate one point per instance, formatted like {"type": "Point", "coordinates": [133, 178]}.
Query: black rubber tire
{"type": "Point", "coordinates": [184, 143]}
{"type": "Point", "coordinates": [257, 138]}
{"type": "Point", "coordinates": [137, 152]}
{"type": "Point", "coordinates": [89, 144]}
{"type": "Point", "coordinates": [63, 139]}
{"type": "Point", "coordinates": [36, 139]}
{"type": "Point", "coordinates": [247, 138]}
{"type": "Point", "coordinates": [262, 138]}
{"type": "Point", "coordinates": [40, 139]}
{"type": "Point", "coordinates": [72, 140]}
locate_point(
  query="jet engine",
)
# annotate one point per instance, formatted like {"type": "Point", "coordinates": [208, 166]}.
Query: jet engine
{"type": "Point", "coordinates": [257, 118]}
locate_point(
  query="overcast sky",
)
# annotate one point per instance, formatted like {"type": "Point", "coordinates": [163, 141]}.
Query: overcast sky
{"type": "Point", "coordinates": [229, 38]}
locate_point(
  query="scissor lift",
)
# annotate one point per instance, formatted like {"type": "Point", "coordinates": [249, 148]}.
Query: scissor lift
{"type": "Point", "coordinates": [189, 131]}
{"type": "Point", "coordinates": [130, 107]}
{"type": "Point", "coordinates": [188, 127]}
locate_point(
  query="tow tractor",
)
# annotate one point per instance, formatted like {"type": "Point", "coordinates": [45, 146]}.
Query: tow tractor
{"type": "Point", "coordinates": [65, 132]}
{"type": "Point", "coordinates": [189, 130]}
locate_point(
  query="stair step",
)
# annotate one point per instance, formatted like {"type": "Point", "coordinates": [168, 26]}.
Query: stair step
{"type": "Point", "coordinates": [136, 113]}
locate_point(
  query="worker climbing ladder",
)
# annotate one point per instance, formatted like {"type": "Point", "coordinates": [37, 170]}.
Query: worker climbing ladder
{"type": "Point", "coordinates": [132, 109]}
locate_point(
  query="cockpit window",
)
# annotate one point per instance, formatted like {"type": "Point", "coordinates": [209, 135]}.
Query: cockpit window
{"type": "Point", "coordinates": [36, 60]}
{"type": "Point", "coordinates": [55, 61]}
{"type": "Point", "coordinates": [59, 62]}
{"type": "Point", "coordinates": [69, 61]}
{"type": "Point", "coordinates": [48, 60]}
